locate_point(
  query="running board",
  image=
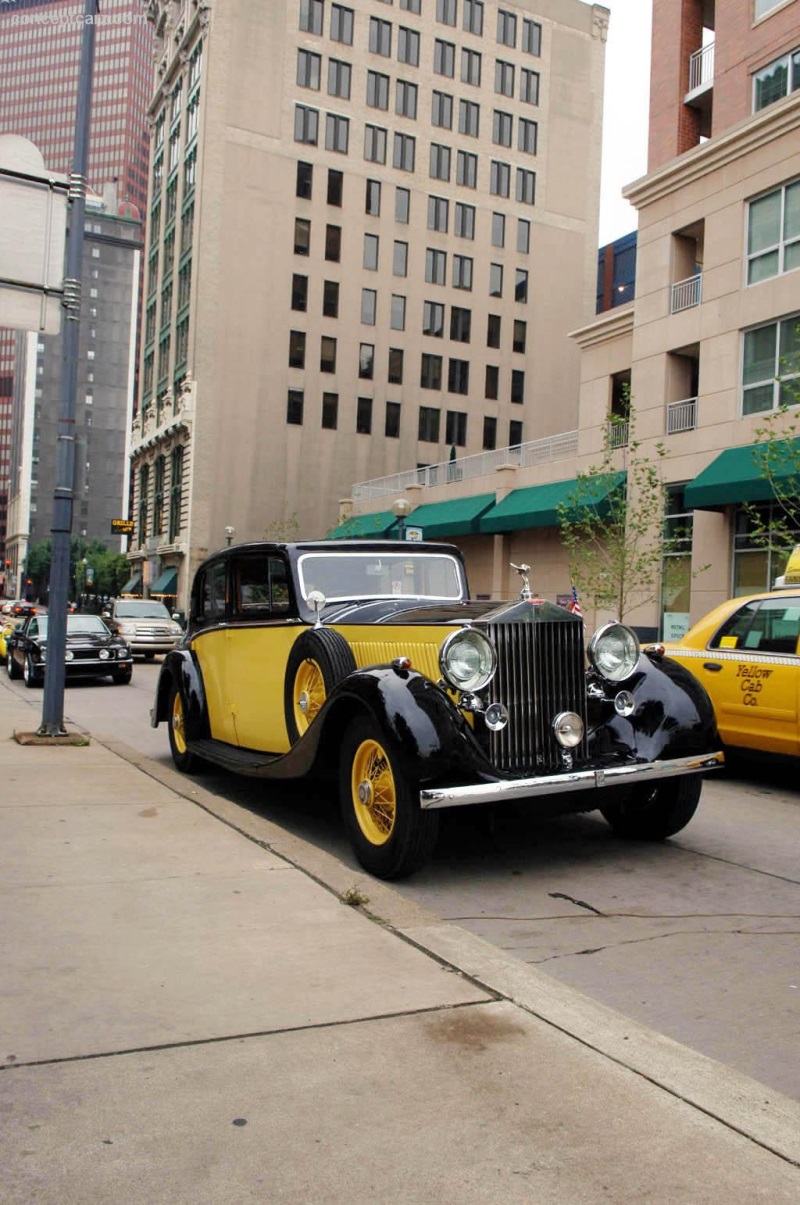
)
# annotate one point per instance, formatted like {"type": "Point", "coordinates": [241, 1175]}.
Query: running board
{"type": "Point", "coordinates": [241, 761]}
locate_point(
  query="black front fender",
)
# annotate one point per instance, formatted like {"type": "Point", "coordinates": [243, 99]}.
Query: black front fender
{"type": "Point", "coordinates": [180, 669]}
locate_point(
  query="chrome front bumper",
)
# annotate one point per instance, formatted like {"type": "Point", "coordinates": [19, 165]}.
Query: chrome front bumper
{"type": "Point", "coordinates": [556, 784]}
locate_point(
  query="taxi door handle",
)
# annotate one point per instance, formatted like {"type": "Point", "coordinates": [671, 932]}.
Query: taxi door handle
{"type": "Point", "coordinates": [713, 666]}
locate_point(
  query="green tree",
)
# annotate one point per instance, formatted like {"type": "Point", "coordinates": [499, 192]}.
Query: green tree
{"type": "Point", "coordinates": [37, 566]}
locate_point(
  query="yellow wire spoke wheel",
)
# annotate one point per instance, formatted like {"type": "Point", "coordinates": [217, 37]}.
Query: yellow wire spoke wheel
{"type": "Point", "coordinates": [308, 693]}
{"type": "Point", "coordinates": [176, 722]}
{"type": "Point", "coordinates": [373, 792]}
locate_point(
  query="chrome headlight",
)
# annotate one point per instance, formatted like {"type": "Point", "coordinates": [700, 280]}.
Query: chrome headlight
{"type": "Point", "coordinates": [104, 654]}
{"type": "Point", "coordinates": [467, 660]}
{"type": "Point", "coordinates": [614, 652]}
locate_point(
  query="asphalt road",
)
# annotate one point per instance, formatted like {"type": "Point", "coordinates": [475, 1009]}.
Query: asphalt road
{"type": "Point", "coordinates": [698, 938]}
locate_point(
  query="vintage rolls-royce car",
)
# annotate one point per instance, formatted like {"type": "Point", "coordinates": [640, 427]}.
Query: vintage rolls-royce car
{"type": "Point", "coordinates": [367, 663]}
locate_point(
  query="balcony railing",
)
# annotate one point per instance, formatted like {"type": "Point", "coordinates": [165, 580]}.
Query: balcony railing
{"type": "Point", "coordinates": [701, 67]}
{"type": "Point", "coordinates": [467, 468]}
{"type": "Point", "coordinates": [618, 434]}
{"type": "Point", "coordinates": [687, 293]}
{"type": "Point", "coordinates": [682, 416]}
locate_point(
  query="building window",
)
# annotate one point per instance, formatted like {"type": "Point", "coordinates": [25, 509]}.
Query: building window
{"type": "Point", "coordinates": [754, 566]}
{"type": "Point", "coordinates": [333, 243]}
{"type": "Point", "coordinates": [305, 176]}
{"type": "Point", "coordinates": [467, 169]}
{"type": "Point", "coordinates": [397, 320]}
{"type": "Point", "coordinates": [391, 426]}
{"type": "Point", "coordinates": [327, 354]}
{"type": "Point", "coordinates": [520, 285]}
{"type": "Point", "coordinates": [435, 266]}
{"type": "Point", "coordinates": [294, 407]}
{"type": "Point", "coordinates": [429, 418]}
{"type": "Point", "coordinates": [500, 179]}
{"type": "Point", "coordinates": [472, 18]}
{"type": "Point", "coordinates": [380, 36]}
{"type": "Point", "coordinates": [431, 375]}
{"type": "Point", "coordinates": [460, 324]}
{"type": "Point", "coordinates": [377, 90]}
{"type": "Point", "coordinates": [306, 125]}
{"type": "Point", "coordinates": [372, 202]}
{"type": "Point", "coordinates": [520, 335]}
{"type": "Point", "coordinates": [370, 260]}
{"type": "Point", "coordinates": [411, 6]}
{"type": "Point", "coordinates": [446, 12]}
{"type": "Point", "coordinates": [405, 101]}
{"type": "Point", "coordinates": [489, 434]}
{"type": "Point", "coordinates": [498, 229]}
{"type": "Point", "coordinates": [440, 161]}
{"type": "Point", "coordinates": [175, 493]}
{"type": "Point", "coordinates": [308, 69]}
{"type": "Point", "coordinates": [765, 6]}
{"type": "Point", "coordinates": [462, 272]}
{"type": "Point", "coordinates": [493, 331]}
{"type": "Point", "coordinates": [400, 259]}
{"type": "Point", "coordinates": [527, 134]}
{"type": "Point", "coordinates": [502, 126]}
{"type": "Point", "coordinates": [330, 411]}
{"type": "Point", "coordinates": [342, 24]}
{"type": "Point", "coordinates": [302, 236]}
{"type": "Point", "coordinates": [771, 352]}
{"type": "Point", "coordinates": [504, 78]}
{"type": "Point", "coordinates": [395, 375]}
{"type": "Point", "coordinates": [526, 186]}
{"type": "Point", "coordinates": [311, 16]}
{"type": "Point", "coordinates": [529, 86]}
{"type": "Point", "coordinates": [456, 428]}
{"type": "Point", "coordinates": [335, 187]}
{"type": "Point", "coordinates": [458, 376]}
{"type": "Point", "coordinates": [517, 386]}
{"type": "Point", "coordinates": [471, 67]}
{"type": "Point", "coordinates": [464, 220]}
{"type": "Point", "coordinates": [364, 416]}
{"type": "Point", "coordinates": [433, 319]}
{"type": "Point", "coordinates": [531, 37]}
{"type": "Point", "coordinates": [773, 233]}
{"type": "Point", "coordinates": [469, 118]}
{"type": "Point", "coordinates": [514, 433]}
{"type": "Point", "coordinates": [330, 298]}
{"type": "Point", "coordinates": [299, 292]}
{"type": "Point", "coordinates": [408, 46]}
{"type": "Point", "coordinates": [492, 386]}
{"type": "Point", "coordinates": [369, 303]}
{"type": "Point", "coordinates": [402, 205]}
{"type": "Point", "coordinates": [366, 361]}
{"type": "Point", "coordinates": [776, 80]}
{"type": "Point", "coordinates": [442, 110]}
{"type": "Point", "coordinates": [339, 74]}
{"type": "Point", "coordinates": [297, 349]}
{"type": "Point", "coordinates": [506, 28]}
{"type": "Point", "coordinates": [523, 236]}
{"type": "Point", "coordinates": [404, 152]}
{"type": "Point", "coordinates": [438, 214]}
{"type": "Point", "coordinates": [337, 133]}
{"type": "Point", "coordinates": [374, 144]}
{"type": "Point", "coordinates": [444, 58]}
{"type": "Point", "coordinates": [158, 496]}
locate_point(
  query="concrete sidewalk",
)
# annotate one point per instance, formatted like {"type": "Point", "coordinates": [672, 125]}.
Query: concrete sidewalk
{"type": "Point", "coordinates": [190, 1014]}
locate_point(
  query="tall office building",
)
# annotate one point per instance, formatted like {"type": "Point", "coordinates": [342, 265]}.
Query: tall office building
{"type": "Point", "coordinates": [371, 227]}
{"type": "Point", "coordinates": [40, 45]}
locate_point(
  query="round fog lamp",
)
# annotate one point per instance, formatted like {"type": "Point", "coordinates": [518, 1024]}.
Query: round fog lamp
{"type": "Point", "coordinates": [624, 703]}
{"type": "Point", "coordinates": [568, 729]}
{"type": "Point", "coordinates": [69, 655]}
{"type": "Point", "coordinates": [496, 717]}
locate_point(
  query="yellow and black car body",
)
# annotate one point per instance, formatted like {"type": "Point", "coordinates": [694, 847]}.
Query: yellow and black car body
{"type": "Point", "coordinates": [368, 663]}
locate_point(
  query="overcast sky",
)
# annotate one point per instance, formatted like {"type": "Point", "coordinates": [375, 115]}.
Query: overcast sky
{"type": "Point", "coordinates": [625, 112]}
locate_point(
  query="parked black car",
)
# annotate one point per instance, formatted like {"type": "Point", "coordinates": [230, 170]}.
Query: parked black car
{"type": "Point", "coordinates": [92, 651]}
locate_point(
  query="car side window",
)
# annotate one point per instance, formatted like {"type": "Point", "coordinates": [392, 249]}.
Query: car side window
{"type": "Point", "coordinates": [261, 587]}
{"type": "Point", "coordinates": [771, 625]}
{"type": "Point", "coordinates": [210, 596]}
{"type": "Point", "coordinates": [33, 628]}
{"type": "Point", "coordinates": [734, 632]}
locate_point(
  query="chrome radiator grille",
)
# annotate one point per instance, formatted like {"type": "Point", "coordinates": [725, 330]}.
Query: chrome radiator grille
{"type": "Point", "coordinates": [540, 672]}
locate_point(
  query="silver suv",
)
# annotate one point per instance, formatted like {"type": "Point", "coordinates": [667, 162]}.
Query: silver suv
{"type": "Point", "coordinates": [145, 624]}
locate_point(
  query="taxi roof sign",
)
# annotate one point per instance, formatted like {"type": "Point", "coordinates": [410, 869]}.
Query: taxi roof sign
{"type": "Point", "coordinates": [790, 578]}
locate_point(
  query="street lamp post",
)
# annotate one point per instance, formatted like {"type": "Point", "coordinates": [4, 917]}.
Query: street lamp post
{"type": "Point", "coordinates": [401, 508]}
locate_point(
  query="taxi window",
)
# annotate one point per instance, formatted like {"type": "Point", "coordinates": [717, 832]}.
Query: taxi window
{"type": "Point", "coordinates": [771, 625]}
{"type": "Point", "coordinates": [211, 595]}
{"type": "Point", "coordinates": [261, 587]}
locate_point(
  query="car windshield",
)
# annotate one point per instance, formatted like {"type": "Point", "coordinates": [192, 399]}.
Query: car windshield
{"type": "Point", "coordinates": [141, 609]}
{"type": "Point", "coordinates": [77, 625]}
{"type": "Point", "coordinates": [362, 575]}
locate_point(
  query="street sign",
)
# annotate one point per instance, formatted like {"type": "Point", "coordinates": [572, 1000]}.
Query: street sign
{"type": "Point", "coordinates": [414, 534]}
{"type": "Point", "coordinates": [122, 527]}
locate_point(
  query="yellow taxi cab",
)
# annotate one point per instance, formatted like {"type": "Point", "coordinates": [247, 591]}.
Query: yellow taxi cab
{"type": "Point", "coordinates": [745, 653]}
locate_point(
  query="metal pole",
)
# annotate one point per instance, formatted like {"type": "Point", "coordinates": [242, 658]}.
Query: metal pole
{"type": "Point", "coordinates": [53, 703]}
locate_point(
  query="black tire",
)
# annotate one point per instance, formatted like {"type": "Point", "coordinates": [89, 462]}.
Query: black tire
{"type": "Point", "coordinates": [121, 677]}
{"type": "Point", "coordinates": [186, 762]}
{"type": "Point", "coordinates": [12, 668]}
{"type": "Point", "coordinates": [653, 813]}
{"type": "Point", "coordinates": [32, 680]}
{"type": "Point", "coordinates": [390, 833]}
{"type": "Point", "coordinates": [319, 659]}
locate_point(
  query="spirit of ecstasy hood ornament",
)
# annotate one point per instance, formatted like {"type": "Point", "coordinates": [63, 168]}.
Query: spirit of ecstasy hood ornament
{"type": "Point", "coordinates": [523, 570]}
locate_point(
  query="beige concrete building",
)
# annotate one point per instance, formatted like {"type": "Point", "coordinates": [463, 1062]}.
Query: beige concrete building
{"type": "Point", "coordinates": [372, 226]}
{"type": "Point", "coordinates": [714, 321]}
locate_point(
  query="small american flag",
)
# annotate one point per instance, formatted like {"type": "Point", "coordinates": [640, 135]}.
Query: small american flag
{"type": "Point", "coordinates": [575, 605]}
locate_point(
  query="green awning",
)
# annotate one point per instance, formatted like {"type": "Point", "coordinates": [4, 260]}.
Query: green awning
{"type": "Point", "coordinates": [537, 505]}
{"type": "Point", "coordinates": [165, 583]}
{"type": "Point", "coordinates": [456, 517]}
{"type": "Point", "coordinates": [736, 475]}
{"type": "Point", "coordinates": [133, 585]}
{"type": "Point", "coordinates": [364, 527]}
